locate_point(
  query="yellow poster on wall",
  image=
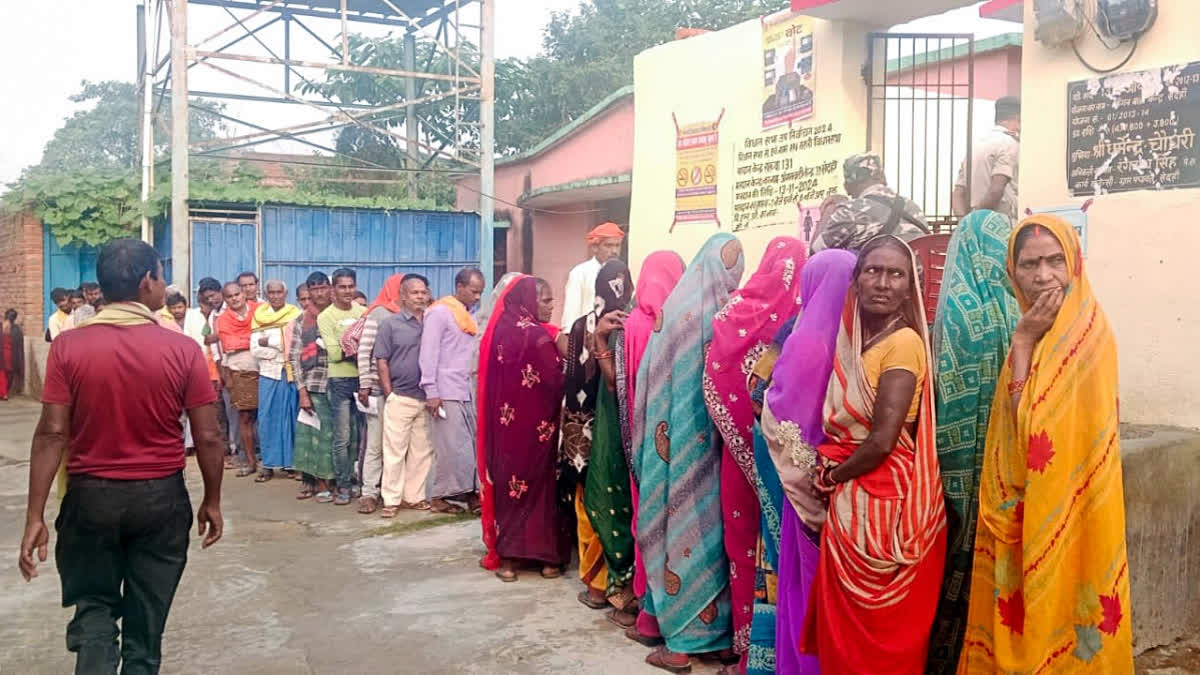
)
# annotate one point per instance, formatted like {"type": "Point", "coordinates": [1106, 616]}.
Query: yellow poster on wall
{"type": "Point", "coordinates": [787, 44]}
{"type": "Point", "coordinates": [696, 172]}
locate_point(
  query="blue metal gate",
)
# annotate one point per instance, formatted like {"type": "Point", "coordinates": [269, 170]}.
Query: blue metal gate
{"type": "Point", "coordinates": [64, 267]}
{"type": "Point", "coordinates": [376, 244]}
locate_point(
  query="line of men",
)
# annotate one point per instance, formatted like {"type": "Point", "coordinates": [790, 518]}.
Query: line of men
{"type": "Point", "coordinates": [356, 401]}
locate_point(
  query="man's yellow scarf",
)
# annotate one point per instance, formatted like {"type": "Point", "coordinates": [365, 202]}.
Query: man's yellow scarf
{"type": "Point", "coordinates": [267, 317]}
{"type": "Point", "coordinates": [466, 322]}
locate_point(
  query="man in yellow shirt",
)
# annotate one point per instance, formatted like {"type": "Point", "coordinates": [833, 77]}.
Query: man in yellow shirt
{"type": "Point", "coordinates": [342, 386]}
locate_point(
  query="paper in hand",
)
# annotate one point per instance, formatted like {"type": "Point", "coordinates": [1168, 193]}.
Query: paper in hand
{"type": "Point", "coordinates": [372, 407]}
{"type": "Point", "coordinates": [310, 418]}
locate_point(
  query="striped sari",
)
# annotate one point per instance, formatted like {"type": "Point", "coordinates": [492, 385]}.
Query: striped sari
{"type": "Point", "coordinates": [883, 545]}
{"type": "Point", "coordinates": [975, 320]}
{"type": "Point", "coordinates": [678, 462]}
{"type": "Point", "coordinates": [1050, 585]}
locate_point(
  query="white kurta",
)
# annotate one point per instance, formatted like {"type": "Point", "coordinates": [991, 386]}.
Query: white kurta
{"type": "Point", "coordinates": [580, 293]}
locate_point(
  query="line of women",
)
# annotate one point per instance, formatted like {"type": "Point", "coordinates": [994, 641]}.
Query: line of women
{"type": "Point", "coordinates": [797, 475]}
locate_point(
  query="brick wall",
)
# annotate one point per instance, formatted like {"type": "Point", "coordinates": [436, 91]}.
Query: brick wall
{"type": "Point", "coordinates": [21, 269]}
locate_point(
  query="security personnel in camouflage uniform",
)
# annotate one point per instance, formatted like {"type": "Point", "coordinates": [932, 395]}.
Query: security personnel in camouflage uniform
{"type": "Point", "coordinates": [873, 209]}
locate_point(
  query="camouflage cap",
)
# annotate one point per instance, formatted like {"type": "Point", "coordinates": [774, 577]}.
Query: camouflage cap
{"type": "Point", "coordinates": [863, 166]}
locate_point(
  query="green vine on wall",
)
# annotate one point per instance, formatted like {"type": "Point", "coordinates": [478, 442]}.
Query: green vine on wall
{"type": "Point", "coordinates": [91, 206]}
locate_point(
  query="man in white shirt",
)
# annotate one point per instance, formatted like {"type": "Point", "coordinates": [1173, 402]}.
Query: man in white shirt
{"type": "Point", "coordinates": [604, 243]}
{"type": "Point", "coordinates": [994, 166]}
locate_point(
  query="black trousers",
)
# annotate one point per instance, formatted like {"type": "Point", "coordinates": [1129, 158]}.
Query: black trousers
{"type": "Point", "coordinates": [122, 546]}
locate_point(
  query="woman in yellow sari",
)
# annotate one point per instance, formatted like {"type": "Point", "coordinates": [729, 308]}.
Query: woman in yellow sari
{"type": "Point", "coordinates": [1050, 587]}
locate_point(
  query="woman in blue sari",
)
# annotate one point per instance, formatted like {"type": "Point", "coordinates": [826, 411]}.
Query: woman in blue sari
{"type": "Point", "coordinates": [678, 466]}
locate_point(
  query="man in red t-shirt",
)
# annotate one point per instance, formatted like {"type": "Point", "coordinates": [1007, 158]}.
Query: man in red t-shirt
{"type": "Point", "coordinates": [114, 393]}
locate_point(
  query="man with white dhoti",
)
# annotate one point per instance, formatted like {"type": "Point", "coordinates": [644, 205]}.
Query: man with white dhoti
{"type": "Point", "coordinates": [447, 343]}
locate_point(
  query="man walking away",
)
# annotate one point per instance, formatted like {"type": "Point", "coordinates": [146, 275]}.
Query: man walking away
{"type": "Point", "coordinates": [407, 453]}
{"type": "Point", "coordinates": [343, 376]}
{"type": "Point", "coordinates": [386, 304]}
{"type": "Point", "coordinates": [994, 166]}
{"type": "Point", "coordinates": [123, 525]}
{"type": "Point", "coordinates": [447, 341]}
{"type": "Point", "coordinates": [240, 369]}
{"type": "Point", "coordinates": [604, 243]}
{"type": "Point", "coordinates": [873, 209]}
{"type": "Point", "coordinates": [277, 399]}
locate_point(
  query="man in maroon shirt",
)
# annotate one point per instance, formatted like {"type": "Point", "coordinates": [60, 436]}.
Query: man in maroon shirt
{"type": "Point", "coordinates": [114, 394]}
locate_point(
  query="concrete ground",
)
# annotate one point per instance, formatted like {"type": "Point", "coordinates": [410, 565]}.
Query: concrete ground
{"type": "Point", "coordinates": [299, 587]}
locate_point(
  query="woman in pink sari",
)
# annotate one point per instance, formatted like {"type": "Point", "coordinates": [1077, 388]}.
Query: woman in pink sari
{"type": "Point", "coordinates": [519, 403]}
{"type": "Point", "coordinates": [661, 270]}
{"type": "Point", "coordinates": [742, 331]}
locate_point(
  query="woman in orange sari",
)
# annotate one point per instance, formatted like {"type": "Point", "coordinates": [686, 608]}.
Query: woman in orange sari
{"type": "Point", "coordinates": [1050, 586]}
{"type": "Point", "coordinates": [884, 541]}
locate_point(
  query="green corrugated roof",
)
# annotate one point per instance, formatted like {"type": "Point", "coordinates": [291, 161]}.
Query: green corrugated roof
{"type": "Point", "coordinates": [958, 51]}
{"type": "Point", "coordinates": [570, 127]}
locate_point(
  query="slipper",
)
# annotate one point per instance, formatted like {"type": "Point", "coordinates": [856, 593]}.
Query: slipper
{"type": "Point", "coordinates": [725, 657]}
{"type": "Point", "coordinates": [305, 493]}
{"type": "Point", "coordinates": [389, 512]}
{"type": "Point", "coordinates": [554, 573]}
{"type": "Point", "coordinates": [633, 634]}
{"type": "Point", "coordinates": [449, 508]}
{"type": "Point", "coordinates": [590, 602]}
{"type": "Point", "coordinates": [658, 659]}
{"type": "Point", "coordinates": [622, 619]}
{"type": "Point", "coordinates": [229, 463]}
{"type": "Point", "coordinates": [264, 476]}
{"type": "Point", "coordinates": [419, 506]}
{"type": "Point", "coordinates": [507, 576]}
{"type": "Point", "coordinates": [342, 499]}
{"type": "Point", "coordinates": [245, 471]}
{"type": "Point", "coordinates": [368, 505]}
{"type": "Point", "coordinates": [323, 497]}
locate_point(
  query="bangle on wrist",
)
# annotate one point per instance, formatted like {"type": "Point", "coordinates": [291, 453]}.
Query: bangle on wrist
{"type": "Point", "coordinates": [1016, 386]}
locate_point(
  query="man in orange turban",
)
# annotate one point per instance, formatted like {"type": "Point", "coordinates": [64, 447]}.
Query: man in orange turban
{"type": "Point", "coordinates": [604, 243]}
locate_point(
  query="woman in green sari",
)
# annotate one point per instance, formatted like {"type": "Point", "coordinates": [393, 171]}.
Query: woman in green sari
{"type": "Point", "coordinates": [606, 494]}
{"type": "Point", "coordinates": [976, 316]}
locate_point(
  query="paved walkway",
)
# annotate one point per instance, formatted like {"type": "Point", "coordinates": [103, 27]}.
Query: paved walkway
{"type": "Point", "coordinates": [298, 587]}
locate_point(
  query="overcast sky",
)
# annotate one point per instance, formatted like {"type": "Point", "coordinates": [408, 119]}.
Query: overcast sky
{"type": "Point", "coordinates": [55, 45]}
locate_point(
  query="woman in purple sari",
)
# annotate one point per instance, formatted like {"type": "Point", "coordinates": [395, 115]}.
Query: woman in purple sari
{"type": "Point", "coordinates": [792, 426]}
{"type": "Point", "coordinates": [521, 387]}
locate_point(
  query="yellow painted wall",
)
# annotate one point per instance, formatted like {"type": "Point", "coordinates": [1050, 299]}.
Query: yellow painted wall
{"type": "Point", "coordinates": [698, 77]}
{"type": "Point", "coordinates": [1142, 245]}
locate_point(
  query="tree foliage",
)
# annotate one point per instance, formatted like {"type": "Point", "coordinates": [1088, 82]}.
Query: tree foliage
{"type": "Point", "coordinates": [104, 136]}
{"type": "Point", "coordinates": [586, 55]}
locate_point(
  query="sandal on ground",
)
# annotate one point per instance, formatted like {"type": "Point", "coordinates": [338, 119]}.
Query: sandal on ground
{"type": "Point", "coordinates": [264, 476]}
{"type": "Point", "coordinates": [323, 497]}
{"type": "Point", "coordinates": [306, 492]}
{"type": "Point", "coordinates": [389, 512]}
{"type": "Point", "coordinates": [725, 657]}
{"type": "Point", "coordinates": [342, 499]}
{"type": "Point", "coordinates": [229, 463]}
{"type": "Point", "coordinates": [245, 471]}
{"type": "Point", "coordinates": [622, 618]}
{"type": "Point", "coordinates": [368, 505]}
{"type": "Point", "coordinates": [443, 506]}
{"type": "Point", "coordinates": [296, 475]}
{"type": "Point", "coordinates": [507, 576]}
{"type": "Point", "coordinates": [588, 601]}
{"type": "Point", "coordinates": [549, 572]}
{"type": "Point", "coordinates": [419, 506]}
{"type": "Point", "coordinates": [658, 659]}
{"type": "Point", "coordinates": [633, 634]}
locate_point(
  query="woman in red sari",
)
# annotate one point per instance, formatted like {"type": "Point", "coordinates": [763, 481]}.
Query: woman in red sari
{"type": "Point", "coordinates": [520, 396]}
{"type": "Point", "coordinates": [884, 542]}
{"type": "Point", "coordinates": [12, 355]}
